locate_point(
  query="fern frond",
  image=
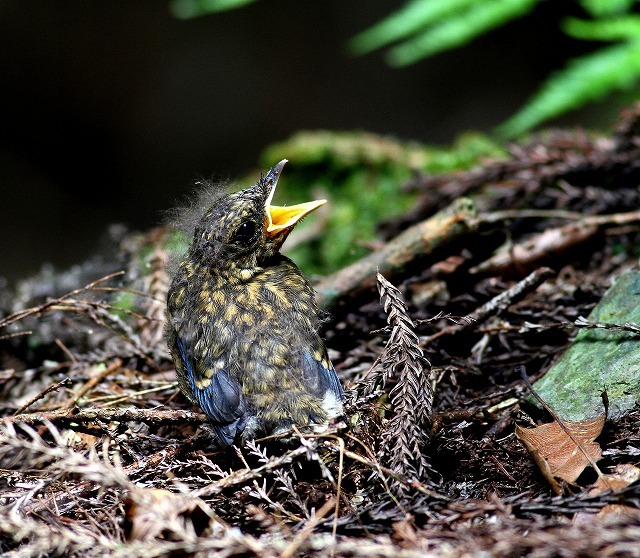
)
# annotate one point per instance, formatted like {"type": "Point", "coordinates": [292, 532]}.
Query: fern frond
{"type": "Point", "coordinates": [584, 79]}
{"type": "Point", "coordinates": [611, 29]}
{"type": "Point", "coordinates": [603, 8]}
{"type": "Point", "coordinates": [186, 9]}
{"type": "Point", "coordinates": [415, 16]}
{"type": "Point", "coordinates": [405, 436]}
{"type": "Point", "coordinates": [459, 29]}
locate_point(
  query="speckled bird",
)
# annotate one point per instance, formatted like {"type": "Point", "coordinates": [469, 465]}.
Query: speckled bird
{"type": "Point", "coordinates": [243, 321]}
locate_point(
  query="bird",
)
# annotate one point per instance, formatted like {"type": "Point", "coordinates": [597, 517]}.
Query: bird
{"type": "Point", "coordinates": [243, 323]}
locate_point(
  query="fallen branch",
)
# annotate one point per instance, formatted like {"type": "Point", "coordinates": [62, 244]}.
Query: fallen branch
{"type": "Point", "coordinates": [65, 417]}
{"type": "Point", "coordinates": [45, 391]}
{"type": "Point", "coordinates": [550, 242]}
{"type": "Point", "coordinates": [417, 241]}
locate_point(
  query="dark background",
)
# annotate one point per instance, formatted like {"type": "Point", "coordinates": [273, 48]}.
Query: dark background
{"type": "Point", "coordinates": [109, 109]}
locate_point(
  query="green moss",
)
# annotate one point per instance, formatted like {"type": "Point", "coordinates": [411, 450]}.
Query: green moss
{"type": "Point", "coordinates": [362, 176]}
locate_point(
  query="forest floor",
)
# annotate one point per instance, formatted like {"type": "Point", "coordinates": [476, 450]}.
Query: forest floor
{"type": "Point", "coordinates": [101, 455]}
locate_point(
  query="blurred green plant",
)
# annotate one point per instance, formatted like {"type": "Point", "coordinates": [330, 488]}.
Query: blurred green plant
{"type": "Point", "coordinates": [359, 173]}
{"type": "Point", "coordinates": [186, 9]}
{"type": "Point", "coordinates": [422, 28]}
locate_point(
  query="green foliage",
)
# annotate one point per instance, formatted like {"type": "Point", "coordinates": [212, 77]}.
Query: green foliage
{"type": "Point", "coordinates": [430, 26]}
{"type": "Point", "coordinates": [348, 150]}
{"type": "Point", "coordinates": [585, 79]}
{"type": "Point", "coordinates": [122, 303]}
{"type": "Point", "coordinates": [360, 174]}
{"type": "Point", "coordinates": [447, 24]}
{"type": "Point", "coordinates": [414, 17]}
{"type": "Point", "coordinates": [602, 8]}
{"type": "Point", "coordinates": [186, 9]}
{"type": "Point", "coordinates": [176, 243]}
{"type": "Point", "coordinates": [590, 77]}
{"type": "Point", "coordinates": [611, 29]}
{"type": "Point", "coordinates": [427, 27]}
{"type": "Point", "coordinates": [423, 28]}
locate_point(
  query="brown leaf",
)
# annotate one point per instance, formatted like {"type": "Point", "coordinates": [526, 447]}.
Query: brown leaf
{"type": "Point", "coordinates": [622, 476]}
{"type": "Point", "coordinates": [556, 453]}
{"type": "Point", "coordinates": [160, 514]}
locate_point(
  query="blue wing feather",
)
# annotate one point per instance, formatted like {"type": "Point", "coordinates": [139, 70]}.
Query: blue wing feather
{"type": "Point", "coordinates": [222, 400]}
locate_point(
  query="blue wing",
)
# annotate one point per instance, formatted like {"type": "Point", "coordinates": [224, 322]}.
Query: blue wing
{"type": "Point", "coordinates": [222, 400]}
{"type": "Point", "coordinates": [318, 378]}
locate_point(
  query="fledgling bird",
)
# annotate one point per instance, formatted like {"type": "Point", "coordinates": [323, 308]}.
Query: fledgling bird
{"type": "Point", "coordinates": [243, 321]}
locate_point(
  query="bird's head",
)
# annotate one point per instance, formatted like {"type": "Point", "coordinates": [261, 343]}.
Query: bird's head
{"type": "Point", "coordinates": [243, 229]}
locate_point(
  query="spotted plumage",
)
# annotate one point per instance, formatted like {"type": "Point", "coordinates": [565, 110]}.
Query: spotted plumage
{"type": "Point", "coordinates": [243, 322]}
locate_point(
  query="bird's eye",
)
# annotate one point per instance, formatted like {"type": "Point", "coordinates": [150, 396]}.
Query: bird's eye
{"type": "Point", "coordinates": [245, 233]}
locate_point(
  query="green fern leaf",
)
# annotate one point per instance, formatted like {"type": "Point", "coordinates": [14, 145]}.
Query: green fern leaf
{"type": "Point", "coordinates": [460, 29]}
{"type": "Point", "coordinates": [612, 29]}
{"type": "Point", "coordinates": [603, 8]}
{"type": "Point", "coordinates": [584, 79]}
{"type": "Point", "coordinates": [186, 9]}
{"type": "Point", "coordinates": [415, 16]}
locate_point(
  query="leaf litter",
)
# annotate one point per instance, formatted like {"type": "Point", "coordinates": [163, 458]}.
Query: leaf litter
{"type": "Point", "coordinates": [100, 454]}
{"type": "Point", "coordinates": [562, 452]}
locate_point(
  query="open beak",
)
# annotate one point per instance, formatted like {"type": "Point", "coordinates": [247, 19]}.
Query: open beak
{"type": "Point", "coordinates": [282, 218]}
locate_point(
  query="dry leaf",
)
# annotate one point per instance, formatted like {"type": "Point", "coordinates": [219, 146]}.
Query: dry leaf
{"type": "Point", "coordinates": [160, 514]}
{"type": "Point", "coordinates": [622, 476]}
{"type": "Point", "coordinates": [556, 453]}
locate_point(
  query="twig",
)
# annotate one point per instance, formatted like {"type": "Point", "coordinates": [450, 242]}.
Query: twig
{"type": "Point", "coordinates": [117, 399]}
{"type": "Point", "coordinates": [338, 486]}
{"type": "Point", "coordinates": [66, 351]}
{"type": "Point", "coordinates": [612, 219]}
{"type": "Point", "coordinates": [417, 241]}
{"type": "Point", "coordinates": [129, 291]}
{"type": "Point", "coordinates": [14, 334]}
{"type": "Point", "coordinates": [148, 416]}
{"type": "Point", "coordinates": [44, 392]}
{"type": "Point", "coordinates": [21, 314]}
{"type": "Point", "coordinates": [416, 485]}
{"type": "Point", "coordinates": [582, 322]}
{"type": "Point", "coordinates": [509, 214]}
{"type": "Point", "coordinates": [550, 241]}
{"type": "Point", "coordinates": [497, 304]}
{"type": "Point", "coordinates": [91, 383]}
{"type": "Point", "coordinates": [306, 531]}
{"type": "Point", "coordinates": [527, 253]}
